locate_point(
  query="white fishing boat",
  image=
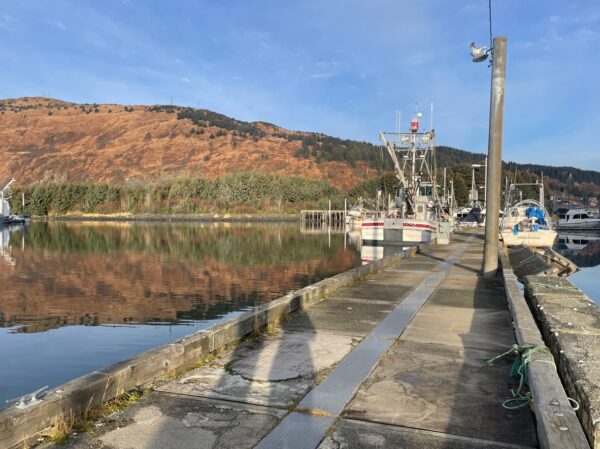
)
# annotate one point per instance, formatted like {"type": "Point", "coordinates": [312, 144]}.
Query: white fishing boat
{"type": "Point", "coordinates": [577, 219]}
{"type": "Point", "coordinates": [358, 212]}
{"type": "Point", "coordinates": [415, 215]}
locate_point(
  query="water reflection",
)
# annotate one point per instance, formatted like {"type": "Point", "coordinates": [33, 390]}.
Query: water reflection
{"type": "Point", "coordinates": [583, 248]}
{"type": "Point", "coordinates": [92, 274]}
{"type": "Point", "coordinates": [369, 252]}
{"type": "Point", "coordinates": [5, 247]}
{"type": "Point", "coordinates": [76, 297]}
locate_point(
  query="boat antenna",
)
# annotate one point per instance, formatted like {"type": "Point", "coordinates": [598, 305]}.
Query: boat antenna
{"type": "Point", "coordinates": [431, 118]}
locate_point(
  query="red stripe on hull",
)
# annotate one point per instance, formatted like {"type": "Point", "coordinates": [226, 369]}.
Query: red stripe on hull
{"type": "Point", "coordinates": [420, 226]}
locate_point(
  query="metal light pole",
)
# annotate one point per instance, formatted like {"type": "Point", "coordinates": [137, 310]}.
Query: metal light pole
{"type": "Point", "coordinates": [494, 168]}
{"type": "Point", "coordinates": [445, 190]}
{"type": "Point", "coordinates": [451, 199]}
{"type": "Point", "coordinates": [485, 177]}
{"type": "Point", "coordinates": [473, 190]}
{"type": "Point", "coordinates": [485, 182]}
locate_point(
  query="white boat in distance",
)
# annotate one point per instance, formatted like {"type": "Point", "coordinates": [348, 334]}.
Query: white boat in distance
{"type": "Point", "coordinates": [6, 217]}
{"type": "Point", "coordinates": [580, 219]}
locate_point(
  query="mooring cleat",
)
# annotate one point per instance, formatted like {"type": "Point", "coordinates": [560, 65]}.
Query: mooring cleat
{"type": "Point", "coordinates": [29, 399]}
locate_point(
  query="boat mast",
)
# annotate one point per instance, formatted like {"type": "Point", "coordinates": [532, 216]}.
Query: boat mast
{"type": "Point", "coordinates": [412, 148]}
{"type": "Point", "coordinates": [389, 146]}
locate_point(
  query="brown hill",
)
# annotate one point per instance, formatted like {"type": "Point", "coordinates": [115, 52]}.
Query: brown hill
{"type": "Point", "coordinates": [43, 139]}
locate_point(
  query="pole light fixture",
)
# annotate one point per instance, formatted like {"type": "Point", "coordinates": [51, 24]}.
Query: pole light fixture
{"type": "Point", "coordinates": [479, 54]}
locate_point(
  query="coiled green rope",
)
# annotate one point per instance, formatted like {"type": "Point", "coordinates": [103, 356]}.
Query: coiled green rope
{"type": "Point", "coordinates": [525, 353]}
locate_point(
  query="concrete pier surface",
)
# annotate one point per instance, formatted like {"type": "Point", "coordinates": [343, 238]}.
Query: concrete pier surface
{"type": "Point", "coordinates": [394, 361]}
{"type": "Point", "coordinates": [570, 324]}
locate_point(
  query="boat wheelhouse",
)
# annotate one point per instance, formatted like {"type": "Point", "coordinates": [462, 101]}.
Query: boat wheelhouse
{"type": "Point", "coordinates": [580, 219]}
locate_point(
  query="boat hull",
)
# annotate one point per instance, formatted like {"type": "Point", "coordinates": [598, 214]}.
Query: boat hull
{"type": "Point", "coordinates": [541, 238]}
{"type": "Point", "coordinates": [398, 230]}
{"type": "Point", "coordinates": [590, 225]}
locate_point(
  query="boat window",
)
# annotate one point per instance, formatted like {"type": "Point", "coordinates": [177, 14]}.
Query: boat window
{"type": "Point", "coordinates": [576, 217]}
{"type": "Point", "coordinates": [425, 190]}
{"type": "Point", "coordinates": [584, 216]}
{"type": "Point", "coordinates": [562, 217]}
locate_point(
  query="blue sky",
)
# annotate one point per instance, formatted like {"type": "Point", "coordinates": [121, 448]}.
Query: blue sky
{"type": "Point", "coordinates": [333, 66]}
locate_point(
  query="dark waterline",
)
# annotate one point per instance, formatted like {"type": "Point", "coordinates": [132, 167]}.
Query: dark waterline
{"type": "Point", "coordinates": [76, 297]}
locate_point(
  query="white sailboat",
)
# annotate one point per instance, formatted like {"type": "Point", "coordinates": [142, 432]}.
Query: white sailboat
{"type": "Point", "coordinates": [527, 222]}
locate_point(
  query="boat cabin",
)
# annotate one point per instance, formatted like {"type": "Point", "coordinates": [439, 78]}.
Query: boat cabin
{"type": "Point", "coordinates": [573, 214]}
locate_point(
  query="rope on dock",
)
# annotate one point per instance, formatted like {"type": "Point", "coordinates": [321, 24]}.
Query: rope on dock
{"type": "Point", "coordinates": [525, 355]}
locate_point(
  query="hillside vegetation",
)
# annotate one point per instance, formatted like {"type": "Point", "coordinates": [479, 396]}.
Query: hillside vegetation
{"type": "Point", "coordinates": [250, 192]}
{"type": "Point", "coordinates": [104, 158]}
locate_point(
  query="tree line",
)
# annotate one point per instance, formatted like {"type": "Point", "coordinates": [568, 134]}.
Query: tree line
{"type": "Point", "coordinates": [247, 192]}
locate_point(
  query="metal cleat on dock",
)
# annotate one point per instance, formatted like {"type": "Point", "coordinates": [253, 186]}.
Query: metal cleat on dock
{"type": "Point", "coordinates": [29, 399]}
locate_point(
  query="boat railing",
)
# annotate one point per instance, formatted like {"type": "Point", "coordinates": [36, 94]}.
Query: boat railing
{"type": "Point", "coordinates": [512, 216]}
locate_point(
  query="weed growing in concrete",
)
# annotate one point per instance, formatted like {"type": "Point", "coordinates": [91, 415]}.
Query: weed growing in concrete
{"type": "Point", "coordinates": [63, 426]}
{"type": "Point", "coordinates": [60, 429]}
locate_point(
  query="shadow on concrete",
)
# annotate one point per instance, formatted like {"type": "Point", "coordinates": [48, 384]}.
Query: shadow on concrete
{"type": "Point", "coordinates": [477, 410]}
{"type": "Point", "coordinates": [233, 401]}
{"type": "Point", "coordinates": [459, 265]}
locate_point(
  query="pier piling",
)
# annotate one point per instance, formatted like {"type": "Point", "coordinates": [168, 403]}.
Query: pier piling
{"type": "Point", "coordinates": [494, 166]}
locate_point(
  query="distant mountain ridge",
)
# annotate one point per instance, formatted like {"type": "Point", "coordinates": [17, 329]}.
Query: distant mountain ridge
{"type": "Point", "coordinates": [52, 140]}
{"type": "Point", "coordinates": [448, 156]}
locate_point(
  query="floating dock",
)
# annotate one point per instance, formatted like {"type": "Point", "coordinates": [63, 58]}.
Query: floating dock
{"type": "Point", "coordinates": [387, 355]}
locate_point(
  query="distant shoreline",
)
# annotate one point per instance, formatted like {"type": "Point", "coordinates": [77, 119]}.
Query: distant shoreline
{"type": "Point", "coordinates": [206, 218]}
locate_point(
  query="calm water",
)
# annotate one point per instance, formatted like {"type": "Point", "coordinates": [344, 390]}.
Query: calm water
{"type": "Point", "coordinates": [76, 297]}
{"type": "Point", "coordinates": [583, 248]}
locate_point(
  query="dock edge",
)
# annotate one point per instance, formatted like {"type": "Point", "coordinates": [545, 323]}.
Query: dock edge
{"type": "Point", "coordinates": [90, 391]}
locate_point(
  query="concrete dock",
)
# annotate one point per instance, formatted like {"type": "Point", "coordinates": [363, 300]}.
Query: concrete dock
{"type": "Point", "coordinates": [394, 361]}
